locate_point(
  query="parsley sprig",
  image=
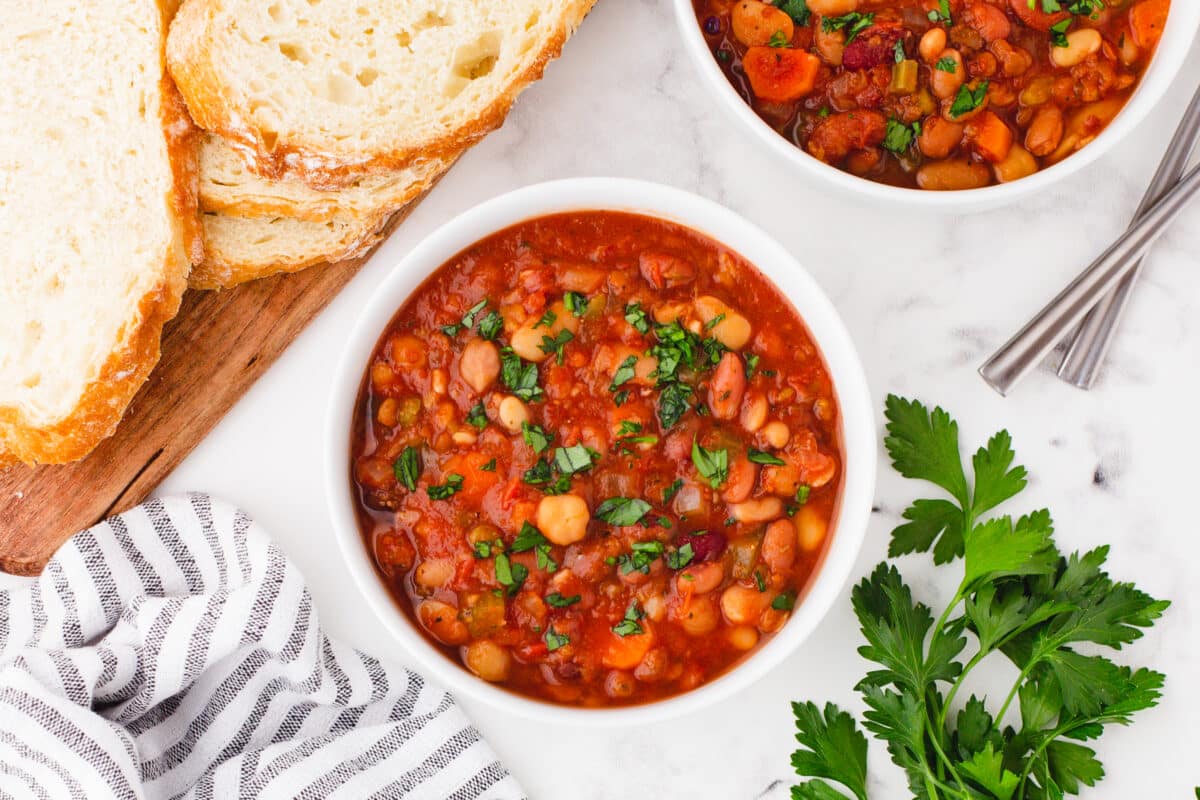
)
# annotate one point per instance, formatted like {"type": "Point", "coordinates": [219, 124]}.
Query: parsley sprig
{"type": "Point", "coordinates": [1018, 597]}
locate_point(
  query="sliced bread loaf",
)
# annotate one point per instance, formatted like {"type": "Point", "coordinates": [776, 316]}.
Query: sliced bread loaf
{"type": "Point", "coordinates": [97, 217]}
{"type": "Point", "coordinates": [240, 249]}
{"type": "Point", "coordinates": [335, 90]}
{"type": "Point", "coordinates": [229, 186]}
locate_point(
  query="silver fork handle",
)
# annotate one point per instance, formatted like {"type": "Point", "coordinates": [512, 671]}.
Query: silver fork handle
{"type": "Point", "coordinates": [1087, 351]}
{"type": "Point", "coordinates": [1051, 325]}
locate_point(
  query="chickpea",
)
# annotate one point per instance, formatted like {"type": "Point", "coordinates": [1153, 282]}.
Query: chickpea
{"type": "Point", "coordinates": [479, 364]}
{"type": "Point", "coordinates": [407, 352]}
{"type": "Point", "coordinates": [442, 622]}
{"type": "Point", "coordinates": [754, 411]}
{"type": "Point", "coordinates": [488, 660]}
{"type": "Point", "coordinates": [833, 8]}
{"type": "Point", "coordinates": [742, 605]}
{"type": "Point", "coordinates": [512, 414]}
{"type": "Point", "coordinates": [810, 528]}
{"type": "Point", "coordinates": [762, 509]}
{"type": "Point", "coordinates": [618, 684]}
{"type": "Point", "coordinates": [776, 434]}
{"type": "Point", "coordinates": [482, 533]}
{"type": "Point", "coordinates": [433, 573]}
{"type": "Point", "coordinates": [700, 578]}
{"type": "Point", "coordinates": [563, 519]}
{"type": "Point", "coordinates": [779, 546]}
{"type": "Point", "coordinates": [743, 637]}
{"type": "Point", "coordinates": [387, 413]}
{"type": "Point", "coordinates": [932, 44]}
{"type": "Point", "coordinates": [945, 84]}
{"type": "Point", "coordinates": [1080, 44]}
{"type": "Point", "coordinates": [1045, 131]}
{"type": "Point", "coordinates": [1019, 164]}
{"type": "Point", "coordinates": [464, 437]}
{"type": "Point", "coordinates": [755, 22]}
{"type": "Point", "coordinates": [382, 376]}
{"type": "Point", "coordinates": [700, 617]}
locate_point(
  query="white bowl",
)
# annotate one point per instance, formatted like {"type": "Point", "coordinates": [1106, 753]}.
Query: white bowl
{"type": "Point", "coordinates": [1180, 33]}
{"type": "Point", "coordinates": [828, 332]}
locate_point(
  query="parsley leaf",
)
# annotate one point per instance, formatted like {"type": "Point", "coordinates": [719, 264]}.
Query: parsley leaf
{"type": "Point", "coordinates": [796, 9]}
{"type": "Point", "coordinates": [573, 459]}
{"type": "Point", "coordinates": [520, 378]}
{"type": "Point", "coordinates": [454, 482]}
{"type": "Point", "coordinates": [556, 600]}
{"type": "Point", "coordinates": [629, 625]}
{"type": "Point", "coordinates": [946, 64]}
{"type": "Point", "coordinates": [779, 39]}
{"type": "Point", "coordinates": [556, 345]}
{"type": "Point", "coordinates": [407, 468]}
{"type": "Point", "coordinates": [853, 24]}
{"type": "Point", "coordinates": [510, 574]}
{"type": "Point", "coordinates": [536, 437]}
{"type": "Point", "coordinates": [673, 403]}
{"type": "Point", "coordinates": [622, 511]}
{"type": "Point", "coordinates": [636, 317]}
{"type": "Point", "coordinates": [833, 748]}
{"type": "Point", "coordinates": [713, 465]}
{"type": "Point", "coordinates": [624, 373]}
{"type": "Point", "coordinates": [672, 490]}
{"type": "Point", "coordinates": [576, 303]}
{"type": "Point", "coordinates": [491, 326]}
{"type": "Point", "coordinates": [678, 559]}
{"type": "Point", "coordinates": [968, 99]}
{"type": "Point", "coordinates": [898, 137]}
{"type": "Point", "coordinates": [555, 640]}
{"type": "Point", "coordinates": [477, 417]}
{"type": "Point", "coordinates": [763, 457]}
{"type": "Point", "coordinates": [468, 320]}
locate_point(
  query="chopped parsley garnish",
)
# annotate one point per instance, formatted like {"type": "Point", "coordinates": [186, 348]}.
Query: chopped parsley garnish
{"type": "Point", "coordinates": [899, 137]}
{"type": "Point", "coordinates": [640, 557]}
{"type": "Point", "coordinates": [528, 538]}
{"type": "Point", "coordinates": [536, 437]}
{"type": "Point", "coordinates": [489, 466]}
{"type": "Point", "coordinates": [554, 640]}
{"type": "Point", "coordinates": [573, 459]}
{"type": "Point", "coordinates": [898, 51]}
{"type": "Point", "coordinates": [624, 373]}
{"type": "Point", "coordinates": [407, 468]}
{"type": "Point", "coordinates": [629, 625]}
{"type": "Point", "coordinates": [468, 320]}
{"type": "Point", "coordinates": [454, 482]}
{"type": "Point", "coordinates": [491, 326]}
{"type": "Point", "coordinates": [762, 457]}
{"type": "Point", "coordinates": [556, 600]}
{"type": "Point", "coordinates": [751, 365]}
{"type": "Point", "coordinates": [576, 303]}
{"type": "Point", "coordinates": [946, 64]}
{"type": "Point", "coordinates": [968, 99]}
{"type": "Point", "coordinates": [554, 345]}
{"type": "Point", "coordinates": [714, 322]}
{"type": "Point", "coordinates": [779, 39]}
{"type": "Point", "coordinates": [620, 397]}
{"type": "Point", "coordinates": [853, 23]}
{"type": "Point", "coordinates": [784, 602]}
{"type": "Point", "coordinates": [796, 9]}
{"type": "Point", "coordinates": [477, 417]}
{"type": "Point", "coordinates": [1058, 33]}
{"type": "Point", "coordinates": [760, 581]}
{"type": "Point", "coordinates": [672, 490]}
{"type": "Point", "coordinates": [673, 403]}
{"type": "Point", "coordinates": [941, 13]}
{"type": "Point", "coordinates": [678, 559]}
{"type": "Point", "coordinates": [622, 511]}
{"type": "Point", "coordinates": [486, 549]}
{"type": "Point", "coordinates": [629, 427]}
{"type": "Point", "coordinates": [636, 317]}
{"type": "Point", "coordinates": [539, 473]}
{"type": "Point", "coordinates": [520, 378]}
{"type": "Point", "coordinates": [802, 493]}
{"type": "Point", "coordinates": [713, 465]}
{"type": "Point", "coordinates": [510, 574]}
{"type": "Point", "coordinates": [548, 319]}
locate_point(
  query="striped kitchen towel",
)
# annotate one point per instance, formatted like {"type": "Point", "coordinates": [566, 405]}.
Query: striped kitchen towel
{"type": "Point", "coordinates": [174, 652]}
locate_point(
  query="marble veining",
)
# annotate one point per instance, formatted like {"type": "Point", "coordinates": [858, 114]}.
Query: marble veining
{"type": "Point", "coordinates": [926, 298]}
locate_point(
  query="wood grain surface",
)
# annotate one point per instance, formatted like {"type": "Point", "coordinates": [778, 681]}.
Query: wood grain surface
{"type": "Point", "coordinates": [212, 352]}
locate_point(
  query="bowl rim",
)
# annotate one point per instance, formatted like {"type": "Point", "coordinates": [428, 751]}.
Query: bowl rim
{"type": "Point", "coordinates": [1181, 31]}
{"type": "Point", "coordinates": [674, 205]}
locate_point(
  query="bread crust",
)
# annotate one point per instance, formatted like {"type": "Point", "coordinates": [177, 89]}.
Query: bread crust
{"type": "Point", "coordinates": [215, 107]}
{"type": "Point", "coordinates": [221, 271]}
{"type": "Point", "coordinates": [103, 401]}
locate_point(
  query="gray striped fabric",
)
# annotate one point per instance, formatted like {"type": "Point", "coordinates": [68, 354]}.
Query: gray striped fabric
{"type": "Point", "coordinates": [174, 652]}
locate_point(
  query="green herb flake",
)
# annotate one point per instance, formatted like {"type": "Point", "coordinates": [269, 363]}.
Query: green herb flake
{"type": "Point", "coordinates": [802, 493]}
{"type": "Point", "coordinates": [520, 377]}
{"type": "Point", "coordinates": [489, 466]}
{"type": "Point", "coordinates": [556, 345]}
{"type": "Point", "coordinates": [625, 373]}
{"type": "Point", "coordinates": [852, 24]}
{"type": "Point", "coordinates": [454, 483]}
{"type": "Point", "coordinates": [407, 468]}
{"type": "Point", "coordinates": [555, 640]}
{"type": "Point", "coordinates": [576, 303]}
{"type": "Point", "coordinates": [510, 574]}
{"type": "Point", "coordinates": [536, 437]}
{"type": "Point", "coordinates": [968, 99]}
{"type": "Point", "coordinates": [680, 558]}
{"type": "Point", "coordinates": [574, 459]}
{"type": "Point", "coordinates": [762, 457]}
{"type": "Point", "coordinates": [713, 465]}
{"type": "Point", "coordinates": [760, 581]}
{"type": "Point", "coordinates": [622, 511]}
{"type": "Point", "coordinates": [672, 490]}
{"type": "Point", "coordinates": [784, 602]}
{"type": "Point", "coordinates": [796, 9]}
{"type": "Point", "coordinates": [491, 326]}
{"type": "Point", "coordinates": [556, 600]}
{"type": "Point", "coordinates": [636, 317]}
{"type": "Point", "coordinates": [946, 64]}
{"type": "Point", "coordinates": [629, 625]}
{"type": "Point", "coordinates": [477, 417]}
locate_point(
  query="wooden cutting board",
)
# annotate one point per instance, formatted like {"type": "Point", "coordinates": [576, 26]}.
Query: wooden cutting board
{"type": "Point", "coordinates": [212, 352]}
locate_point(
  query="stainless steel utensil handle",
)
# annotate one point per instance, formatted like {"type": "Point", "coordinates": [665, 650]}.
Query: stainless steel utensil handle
{"type": "Point", "coordinates": [1035, 341]}
{"type": "Point", "coordinates": [1087, 351]}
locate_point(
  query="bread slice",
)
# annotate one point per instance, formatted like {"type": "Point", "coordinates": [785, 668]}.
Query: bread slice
{"type": "Point", "coordinates": [240, 249]}
{"type": "Point", "coordinates": [333, 90]}
{"type": "Point", "coordinates": [98, 218]}
{"type": "Point", "coordinates": [229, 186]}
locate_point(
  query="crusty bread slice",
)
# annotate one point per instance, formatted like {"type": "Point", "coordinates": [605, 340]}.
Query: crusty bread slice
{"type": "Point", "coordinates": [334, 90]}
{"type": "Point", "coordinates": [240, 249]}
{"type": "Point", "coordinates": [229, 186]}
{"type": "Point", "coordinates": [98, 220]}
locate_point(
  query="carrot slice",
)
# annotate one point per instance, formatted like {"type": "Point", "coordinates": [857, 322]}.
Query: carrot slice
{"type": "Point", "coordinates": [626, 652]}
{"type": "Point", "coordinates": [1146, 21]}
{"type": "Point", "coordinates": [993, 139]}
{"type": "Point", "coordinates": [780, 74]}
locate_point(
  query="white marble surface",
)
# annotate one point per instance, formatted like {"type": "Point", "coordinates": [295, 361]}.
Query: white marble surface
{"type": "Point", "coordinates": [926, 298]}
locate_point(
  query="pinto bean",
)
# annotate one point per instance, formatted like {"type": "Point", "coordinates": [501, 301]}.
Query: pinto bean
{"type": "Point", "coordinates": [727, 387]}
{"type": "Point", "coordinates": [1045, 131]}
{"type": "Point", "coordinates": [779, 546]}
{"type": "Point", "coordinates": [939, 138]}
{"type": "Point", "coordinates": [442, 622]}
